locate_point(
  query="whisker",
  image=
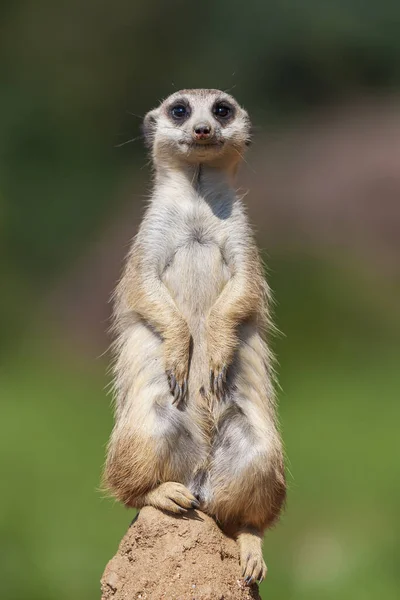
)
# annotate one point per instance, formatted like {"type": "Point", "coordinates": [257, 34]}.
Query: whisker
{"type": "Point", "coordinates": [195, 173]}
{"type": "Point", "coordinates": [139, 137]}
{"type": "Point", "coordinates": [148, 163]}
{"type": "Point", "coordinates": [244, 160]}
{"type": "Point", "coordinates": [128, 112]}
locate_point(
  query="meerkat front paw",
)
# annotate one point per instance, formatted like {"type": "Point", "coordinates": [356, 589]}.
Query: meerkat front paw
{"type": "Point", "coordinates": [218, 375]}
{"type": "Point", "coordinates": [177, 368]}
{"type": "Point", "coordinates": [221, 356]}
{"type": "Point", "coordinates": [218, 372]}
{"type": "Point", "coordinates": [221, 344]}
{"type": "Point", "coordinates": [173, 497]}
{"type": "Point", "coordinates": [177, 381]}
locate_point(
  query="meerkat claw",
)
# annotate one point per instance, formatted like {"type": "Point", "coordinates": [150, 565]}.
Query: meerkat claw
{"type": "Point", "coordinates": [178, 391]}
{"type": "Point", "coordinates": [214, 385]}
{"type": "Point", "coordinates": [177, 394]}
{"type": "Point", "coordinates": [184, 389]}
{"type": "Point", "coordinates": [218, 381]}
{"type": "Point", "coordinates": [171, 381]}
{"type": "Point", "coordinates": [220, 384]}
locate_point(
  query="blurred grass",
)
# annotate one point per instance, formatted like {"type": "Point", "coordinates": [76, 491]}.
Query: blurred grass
{"type": "Point", "coordinates": [340, 378]}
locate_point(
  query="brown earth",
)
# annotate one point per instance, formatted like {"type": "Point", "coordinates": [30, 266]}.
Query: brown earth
{"type": "Point", "coordinates": [176, 558]}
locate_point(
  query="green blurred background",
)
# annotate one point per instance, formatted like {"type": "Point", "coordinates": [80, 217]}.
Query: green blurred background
{"type": "Point", "coordinates": [320, 79]}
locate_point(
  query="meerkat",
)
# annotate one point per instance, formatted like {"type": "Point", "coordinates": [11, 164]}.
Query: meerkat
{"type": "Point", "coordinates": [195, 412]}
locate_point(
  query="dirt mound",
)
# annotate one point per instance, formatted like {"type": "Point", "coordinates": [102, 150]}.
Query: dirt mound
{"type": "Point", "coordinates": [176, 558]}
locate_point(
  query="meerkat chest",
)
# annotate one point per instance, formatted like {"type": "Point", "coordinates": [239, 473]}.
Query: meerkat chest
{"type": "Point", "coordinates": [197, 271]}
{"type": "Point", "coordinates": [200, 226]}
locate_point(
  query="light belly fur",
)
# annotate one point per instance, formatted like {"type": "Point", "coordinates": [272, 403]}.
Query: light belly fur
{"type": "Point", "coordinates": [195, 278]}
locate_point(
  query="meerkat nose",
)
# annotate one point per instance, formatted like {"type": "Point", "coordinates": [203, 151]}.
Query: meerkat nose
{"type": "Point", "coordinates": [202, 131]}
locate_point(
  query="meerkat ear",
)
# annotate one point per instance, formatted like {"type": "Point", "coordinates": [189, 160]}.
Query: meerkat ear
{"type": "Point", "coordinates": [149, 127]}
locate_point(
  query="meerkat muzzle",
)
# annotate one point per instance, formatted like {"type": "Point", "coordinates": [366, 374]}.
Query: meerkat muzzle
{"type": "Point", "coordinates": [202, 131]}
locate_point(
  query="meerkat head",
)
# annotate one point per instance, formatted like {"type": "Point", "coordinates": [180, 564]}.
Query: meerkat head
{"type": "Point", "coordinates": [197, 126]}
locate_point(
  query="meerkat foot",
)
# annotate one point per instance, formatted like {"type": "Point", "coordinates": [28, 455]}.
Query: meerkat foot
{"type": "Point", "coordinates": [173, 497]}
{"type": "Point", "coordinates": [251, 557]}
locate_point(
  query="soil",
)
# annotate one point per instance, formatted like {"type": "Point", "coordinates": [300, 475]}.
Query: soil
{"type": "Point", "coordinates": [176, 558]}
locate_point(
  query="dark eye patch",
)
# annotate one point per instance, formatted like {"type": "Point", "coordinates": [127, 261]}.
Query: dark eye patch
{"type": "Point", "coordinates": [223, 111]}
{"type": "Point", "coordinates": [179, 111]}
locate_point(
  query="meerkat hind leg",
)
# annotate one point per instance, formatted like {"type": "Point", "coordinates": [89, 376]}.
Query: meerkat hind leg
{"type": "Point", "coordinates": [251, 557]}
{"type": "Point", "coordinates": [170, 496]}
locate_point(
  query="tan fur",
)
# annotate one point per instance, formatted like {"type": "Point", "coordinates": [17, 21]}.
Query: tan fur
{"type": "Point", "coordinates": [250, 549]}
{"type": "Point", "coordinates": [195, 407]}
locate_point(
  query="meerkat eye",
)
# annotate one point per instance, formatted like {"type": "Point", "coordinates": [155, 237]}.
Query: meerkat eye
{"type": "Point", "coordinates": [222, 110]}
{"type": "Point", "coordinates": [179, 111]}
